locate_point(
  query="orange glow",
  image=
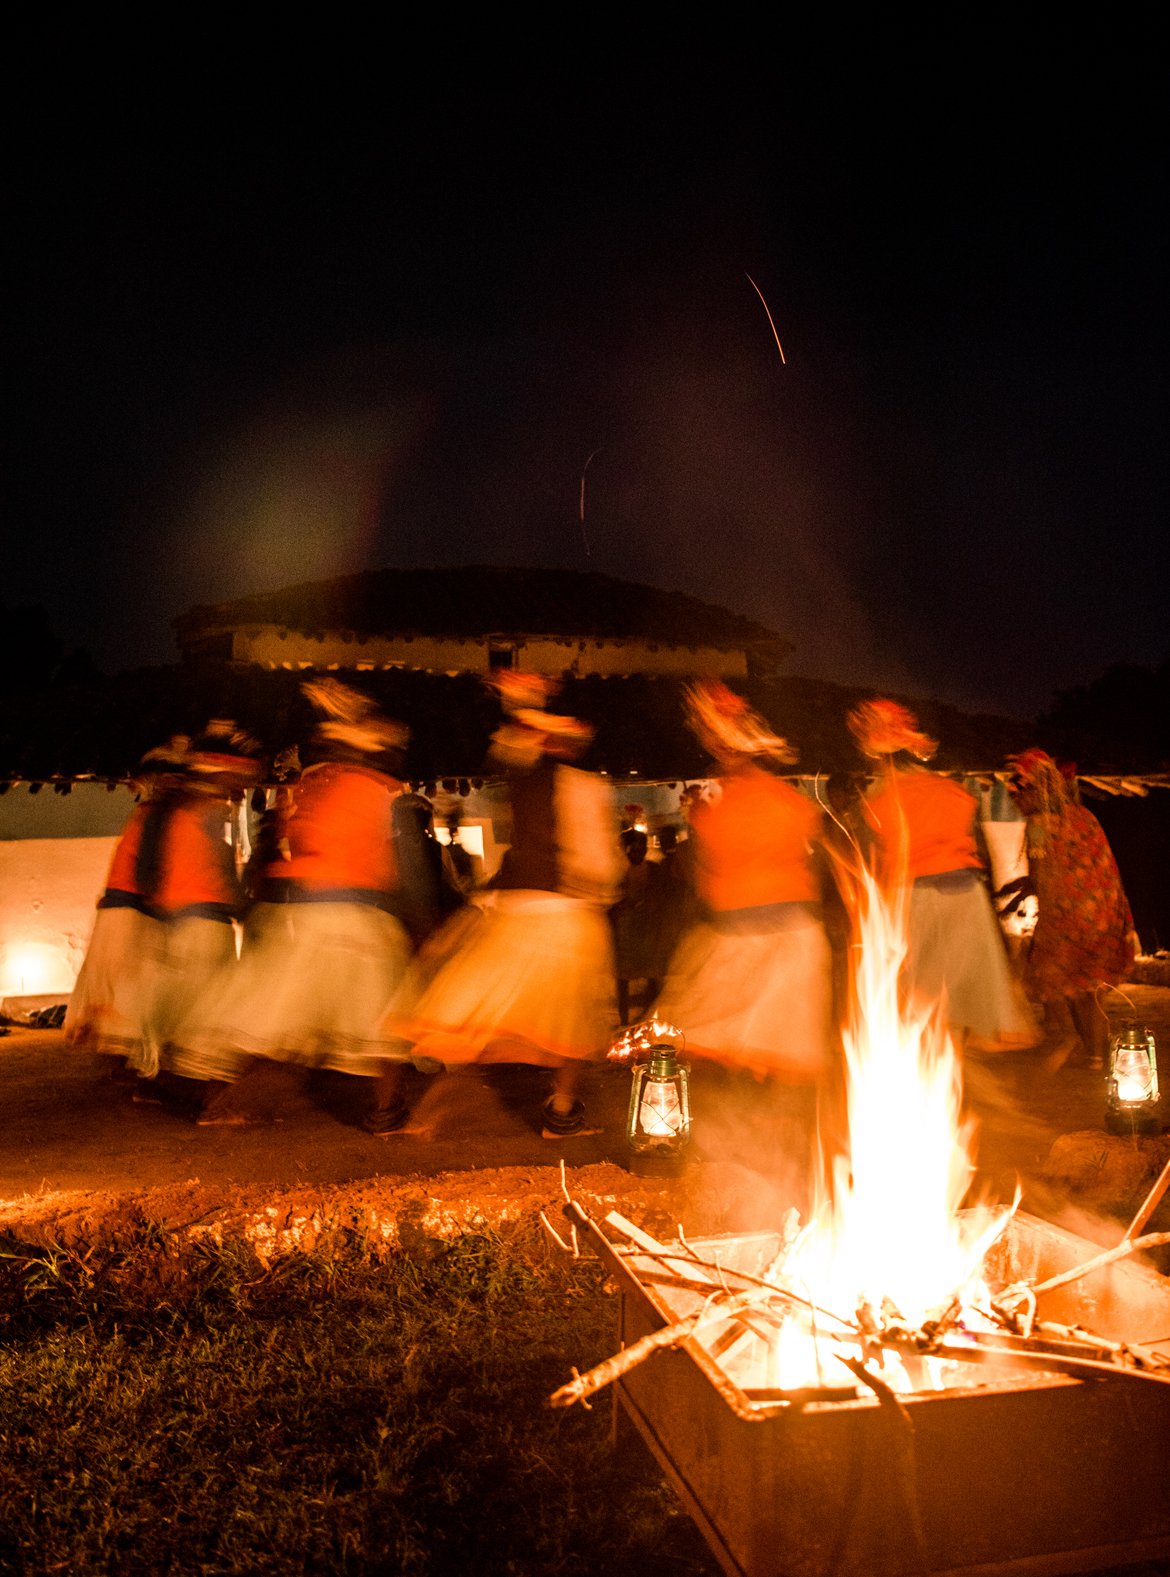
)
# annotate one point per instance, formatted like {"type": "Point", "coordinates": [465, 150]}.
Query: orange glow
{"type": "Point", "coordinates": [35, 969]}
{"type": "Point", "coordinates": [640, 1037]}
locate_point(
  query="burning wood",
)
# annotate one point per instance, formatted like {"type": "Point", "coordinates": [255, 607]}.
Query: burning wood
{"type": "Point", "coordinates": [1019, 1465]}
{"type": "Point", "coordinates": [732, 1298]}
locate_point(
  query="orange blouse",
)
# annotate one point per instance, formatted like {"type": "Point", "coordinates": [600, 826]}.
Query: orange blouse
{"type": "Point", "coordinates": [339, 831]}
{"type": "Point", "coordinates": [199, 869]}
{"type": "Point", "coordinates": [924, 824]}
{"type": "Point", "coordinates": [753, 844]}
{"type": "Point", "coordinates": [125, 875]}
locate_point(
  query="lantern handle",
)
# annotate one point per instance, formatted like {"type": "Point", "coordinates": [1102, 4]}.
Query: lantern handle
{"type": "Point", "coordinates": [1125, 997]}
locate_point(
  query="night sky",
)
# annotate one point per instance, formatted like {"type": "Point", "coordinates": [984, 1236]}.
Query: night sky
{"type": "Point", "coordinates": [262, 333]}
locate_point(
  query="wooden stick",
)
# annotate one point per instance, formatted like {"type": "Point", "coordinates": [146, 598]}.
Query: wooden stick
{"type": "Point", "coordinates": [705, 1272]}
{"type": "Point", "coordinates": [985, 1350]}
{"type": "Point", "coordinates": [700, 1272]}
{"type": "Point", "coordinates": [1150, 1203]}
{"type": "Point", "coordinates": [583, 1385]}
{"type": "Point", "coordinates": [1126, 1246]}
{"type": "Point", "coordinates": [1145, 1356]}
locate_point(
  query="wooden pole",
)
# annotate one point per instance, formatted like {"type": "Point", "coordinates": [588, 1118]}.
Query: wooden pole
{"type": "Point", "coordinates": [1149, 1204]}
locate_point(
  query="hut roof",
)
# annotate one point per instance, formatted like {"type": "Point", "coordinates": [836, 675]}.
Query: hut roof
{"type": "Point", "coordinates": [486, 601]}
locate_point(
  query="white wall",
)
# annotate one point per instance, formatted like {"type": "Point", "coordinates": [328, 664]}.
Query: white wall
{"type": "Point", "coordinates": [271, 647]}
{"type": "Point", "coordinates": [55, 851]}
{"type": "Point", "coordinates": [49, 888]}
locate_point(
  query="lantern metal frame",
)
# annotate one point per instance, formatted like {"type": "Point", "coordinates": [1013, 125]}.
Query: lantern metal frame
{"type": "Point", "coordinates": [1133, 1096]}
{"type": "Point", "coordinates": [658, 1118]}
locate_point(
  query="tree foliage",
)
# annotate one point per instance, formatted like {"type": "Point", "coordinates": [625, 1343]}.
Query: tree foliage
{"type": "Point", "coordinates": [1120, 722]}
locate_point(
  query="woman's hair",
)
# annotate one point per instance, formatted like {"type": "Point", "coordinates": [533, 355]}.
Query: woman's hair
{"type": "Point", "coordinates": [1036, 771]}
{"type": "Point", "coordinates": [887, 728]}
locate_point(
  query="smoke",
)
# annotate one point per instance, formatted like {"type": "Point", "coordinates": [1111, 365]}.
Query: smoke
{"type": "Point", "coordinates": [295, 489]}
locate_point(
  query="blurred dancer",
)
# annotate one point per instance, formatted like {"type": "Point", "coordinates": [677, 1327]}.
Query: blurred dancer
{"type": "Point", "coordinates": [926, 846]}
{"type": "Point", "coordinates": [750, 986]}
{"type": "Point", "coordinates": [636, 957]}
{"type": "Point", "coordinates": [1084, 936]}
{"type": "Point", "coordinates": [673, 901]}
{"type": "Point", "coordinates": [426, 893]}
{"type": "Point", "coordinates": [199, 893]}
{"type": "Point", "coordinates": [322, 953]}
{"type": "Point", "coordinates": [530, 980]}
{"type": "Point", "coordinates": [111, 1004]}
{"type": "Point", "coordinates": [461, 865]}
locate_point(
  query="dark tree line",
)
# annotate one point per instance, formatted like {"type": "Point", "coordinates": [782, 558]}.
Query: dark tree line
{"type": "Point", "coordinates": [1119, 723]}
{"type": "Point", "coordinates": [33, 657]}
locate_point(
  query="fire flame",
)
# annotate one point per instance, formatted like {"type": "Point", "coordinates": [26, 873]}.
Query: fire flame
{"type": "Point", "coordinates": [886, 1243]}
{"type": "Point", "coordinates": [639, 1038]}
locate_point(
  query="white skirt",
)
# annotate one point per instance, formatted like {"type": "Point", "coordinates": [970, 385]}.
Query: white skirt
{"type": "Point", "coordinates": [520, 976]}
{"type": "Point", "coordinates": [112, 1001]}
{"type": "Point", "coordinates": [956, 955]}
{"type": "Point", "coordinates": [199, 953]}
{"type": "Point", "coordinates": [312, 983]}
{"type": "Point", "coordinates": [760, 1001]}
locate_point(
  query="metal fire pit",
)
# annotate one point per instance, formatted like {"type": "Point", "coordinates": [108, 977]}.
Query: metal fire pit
{"type": "Point", "coordinates": [1020, 1473]}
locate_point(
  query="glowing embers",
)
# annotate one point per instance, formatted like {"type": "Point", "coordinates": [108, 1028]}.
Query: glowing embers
{"type": "Point", "coordinates": [639, 1038]}
{"type": "Point", "coordinates": [791, 1344]}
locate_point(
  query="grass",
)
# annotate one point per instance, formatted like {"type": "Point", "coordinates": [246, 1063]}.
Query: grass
{"type": "Point", "coordinates": [201, 1413]}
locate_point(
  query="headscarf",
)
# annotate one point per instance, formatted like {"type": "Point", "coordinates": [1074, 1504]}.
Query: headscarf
{"type": "Point", "coordinates": [162, 768]}
{"type": "Point", "coordinates": [530, 732]}
{"type": "Point", "coordinates": [725, 724]}
{"type": "Point", "coordinates": [352, 720]}
{"type": "Point", "coordinates": [518, 690]}
{"type": "Point", "coordinates": [1036, 770]}
{"type": "Point", "coordinates": [224, 756]}
{"type": "Point", "coordinates": [883, 728]}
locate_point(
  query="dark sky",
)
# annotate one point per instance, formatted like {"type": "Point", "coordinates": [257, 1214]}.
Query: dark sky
{"type": "Point", "coordinates": [265, 330]}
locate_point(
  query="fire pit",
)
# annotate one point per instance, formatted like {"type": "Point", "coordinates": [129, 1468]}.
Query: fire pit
{"type": "Point", "coordinates": [906, 1383]}
{"type": "Point", "coordinates": [1041, 1458]}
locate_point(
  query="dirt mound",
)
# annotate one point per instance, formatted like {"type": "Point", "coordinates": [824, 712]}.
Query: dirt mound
{"type": "Point", "coordinates": [385, 1214]}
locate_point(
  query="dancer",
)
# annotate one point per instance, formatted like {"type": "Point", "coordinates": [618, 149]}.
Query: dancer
{"type": "Point", "coordinates": [925, 844]}
{"type": "Point", "coordinates": [322, 953]}
{"type": "Point", "coordinates": [199, 894]}
{"type": "Point", "coordinates": [1084, 937]}
{"type": "Point", "coordinates": [529, 979]}
{"type": "Point", "coordinates": [750, 985]}
{"type": "Point", "coordinates": [111, 1004]}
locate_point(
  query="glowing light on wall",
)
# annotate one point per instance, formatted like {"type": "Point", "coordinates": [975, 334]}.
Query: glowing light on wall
{"type": "Point", "coordinates": [30, 969]}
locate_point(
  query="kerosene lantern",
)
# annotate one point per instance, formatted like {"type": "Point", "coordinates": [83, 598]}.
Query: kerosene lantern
{"type": "Point", "coordinates": [658, 1122]}
{"type": "Point", "coordinates": [1131, 1103]}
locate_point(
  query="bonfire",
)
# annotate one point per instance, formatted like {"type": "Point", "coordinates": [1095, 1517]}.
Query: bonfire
{"type": "Point", "coordinates": [884, 1286]}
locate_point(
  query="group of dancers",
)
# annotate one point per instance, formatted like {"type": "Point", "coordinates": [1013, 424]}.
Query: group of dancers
{"type": "Point", "coordinates": [198, 974]}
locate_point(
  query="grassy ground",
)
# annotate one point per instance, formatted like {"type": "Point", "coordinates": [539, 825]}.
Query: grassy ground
{"type": "Point", "coordinates": [205, 1414]}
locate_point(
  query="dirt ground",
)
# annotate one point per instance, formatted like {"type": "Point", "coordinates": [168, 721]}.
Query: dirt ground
{"type": "Point", "coordinates": [79, 1158]}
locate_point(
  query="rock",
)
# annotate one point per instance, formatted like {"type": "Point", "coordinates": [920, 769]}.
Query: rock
{"type": "Point", "coordinates": [1101, 1163]}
